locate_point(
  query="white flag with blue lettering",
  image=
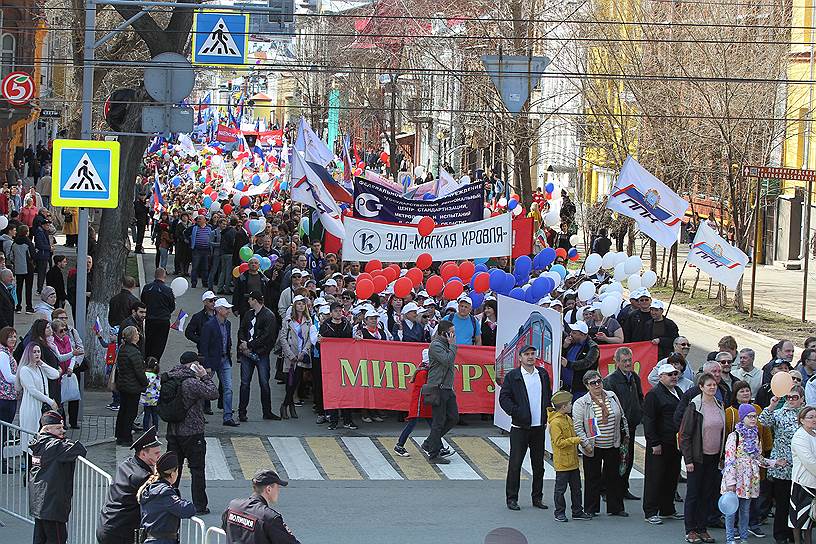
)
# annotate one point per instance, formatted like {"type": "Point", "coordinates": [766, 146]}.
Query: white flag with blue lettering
{"type": "Point", "coordinates": [712, 254]}
{"type": "Point", "coordinates": [656, 209]}
{"type": "Point", "coordinates": [308, 188]}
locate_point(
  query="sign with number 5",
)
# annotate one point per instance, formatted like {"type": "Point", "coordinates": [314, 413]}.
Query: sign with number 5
{"type": "Point", "coordinates": [17, 88]}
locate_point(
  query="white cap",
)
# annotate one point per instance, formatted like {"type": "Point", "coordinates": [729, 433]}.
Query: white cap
{"type": "Point", "coordinates": [410, 307]}
{"type": "Point", "coordinates": [666, 368]}
{"type": "Point", "coordinates": [330, 283]}
{"type": "Point", "coordinates": [464, 298]}
{"type": "Point", "coordinates": [425, 356]}
{"type": "Point", "coordinates": [429, 302]}
{"type": "Point", "coordinates": [490, 297]}
{"type": "Point", "coordinates": [297, 271]}
{"type": "Point", "coordinates": [372, 313]}
{"type": "Point", "coordinates": [452, 305]}
{"type": "Point", "coordinates": [320, 301]}
{"type": "Point", "coordinates": [546, 300]}
{"type": "Point", "coordinates": [658, 304]}
{"type": "Point", "coordinates": [337, 275]}
{"type": "Point", "coordinates": [580, 326]}
{"type": "Point", "coordinates": [556, 302]}
{"type": "Point", "coordinates": [324, 310]}
{"type": "Point", "coordinates": [423, 294]}
{"type": "Point", "coordinates": [222, 303]}
{"type": "Point", "coordinates": [207, 296]}
{"type": "Point", "coordinates": [298, 298]}
{"type": "Point", "coordinates": [643, 292]}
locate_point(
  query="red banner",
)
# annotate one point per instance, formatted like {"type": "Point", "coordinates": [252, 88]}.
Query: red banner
{"type": "Point", "coordinates": [227, 134]}
{"type": "Point", "coordinates": [376, 374]}
{"type": "Point", "coordinates": [522, 236]}
{"type": "Point", "coordinates": [271, 137]}
{"type": "Point", "coordinates": [644, 356]}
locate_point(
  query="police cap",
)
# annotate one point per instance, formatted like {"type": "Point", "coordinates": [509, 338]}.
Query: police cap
{"type": "Point", "coordinates": [268, 477]}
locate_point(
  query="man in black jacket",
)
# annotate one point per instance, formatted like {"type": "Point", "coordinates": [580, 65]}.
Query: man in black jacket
{"type": "Point", "coordinates": [625, 383]}
{"type": "Point", "coordinates": [6, 300]}
{"type": "Point", "coordinates": [137, 319]}
{"type": "Point", "coordinates": [55, 279]}
{"type": "Point", "coordinates": [337, 326]}
{"type": "Point", "coordinates": [193, 329]}
{"type": "Point", "coordinates": [161, 302]}
{"type": "Point", "coordinates": [637, 325]}
{"type": "Point", "coordinates": [664, 330]}
{"type": "Point", "coordinates": [256, 338]}
{"type": "Point", "coordinates": [228, 235]}
{"type": "Point", "coordinates": [120, 516]}
{"type": "Point", "coordinates": [662, 456]}
{"type": "Point", "coordinates": [525, 396]}
{"type": "Point", "coordinates": [121, 304]}
{"type": "Point", "coordinates": [249, 281]}
{"type": "Point", "coordinates": [51, 479]}
{"type": "Point", "coordinates": [140, 213]}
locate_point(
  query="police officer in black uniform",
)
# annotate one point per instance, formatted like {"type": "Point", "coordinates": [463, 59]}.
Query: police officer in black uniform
{"type": "Point", "coordinates": [253, 520]}
{"type": "Point", "coordinates": [120, 516]}
{"type": "Point", "coordinates": [51, 480]}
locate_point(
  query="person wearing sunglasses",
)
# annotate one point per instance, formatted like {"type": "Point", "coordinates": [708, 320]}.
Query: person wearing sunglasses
{"type": "Point", "coordinates": [662, 467]}
{"type": "Point", "coordinates": [783, 422]}
{"type": "Point", "coordinates": [599, 420]}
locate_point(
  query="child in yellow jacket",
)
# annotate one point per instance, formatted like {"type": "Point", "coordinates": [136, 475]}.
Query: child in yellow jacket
{"type": "Point", "coordinates": [565, 457]}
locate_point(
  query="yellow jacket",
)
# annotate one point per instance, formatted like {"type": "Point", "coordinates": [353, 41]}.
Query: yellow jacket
{"type": "Point", "coordinates": [564, 440]}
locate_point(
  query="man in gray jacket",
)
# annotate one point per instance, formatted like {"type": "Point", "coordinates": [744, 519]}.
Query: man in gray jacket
{"type": "Point", "coordinates": [442, 354]}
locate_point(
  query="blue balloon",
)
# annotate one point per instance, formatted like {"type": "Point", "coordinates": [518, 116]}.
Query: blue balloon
{"type": "Point", "coordinates": [521, 279]}
{"type": "Point", "coordinates": [509, 282]}
{"type": "Point", "coordinates": [481, 260]}
{"type": "Point", "coordinates": [530, 297]}
{"type": "Point", "coordinates": [207, 202]}
{"type": "Point", "coordinates": [550, 285]}
{"type": "Point", "coordinates": [476, 299]}
{"type": "Point", "coordinates": [239, 186]}
{"type": "Point", "coordinates": [266, 208]}
{"type": "Point", "coordinates": [728, 503]}
{"type": "Point", "coordinates": [547, 257]}
{"type": "Point", "coordinates": [539, 287]}
{"type": "Point", "coordinates": [455, 278]}
{"type": "Point", "coordinates": [176, 181]}
{"type": "Point", "coordinates": [266, 263]}
{"type": "Point", "coordinates": [550, 187]}
{"type": "Point", "coordinates": [480, 267]}
{"type": "Point", "coordinates": [496, 279]}
{"type": "Point", "coordinates": [256, 179]}
{"type": "Point", "coordinates": [523, 265]}
{"type": "Point", "coordinates": [560, 269]}
{"type": "Point", "coordinates": [517, 293]}
{"type": "Point", "coordinates": [203, 180]}
{"type": "Point", "coordinates": [511, 204]}
{"type": "Point", "coordinates": [284, 186]}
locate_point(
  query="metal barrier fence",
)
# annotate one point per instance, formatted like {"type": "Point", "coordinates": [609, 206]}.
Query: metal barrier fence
{"type": "Point", "coordinates": [215, 535]}
{"type": "Point", "coordinates": [91, 485]}
{"type": "Point", "coordinates": [192, 531]}
{"type": "Point", "coordinates": [13, 473]}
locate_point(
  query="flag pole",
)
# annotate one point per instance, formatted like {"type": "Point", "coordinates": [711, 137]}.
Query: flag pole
{"type": "Point", "coordinates": [674, 289]}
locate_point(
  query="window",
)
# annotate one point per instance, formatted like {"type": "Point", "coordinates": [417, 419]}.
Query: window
{"type": "Point", "coordinates": [7, 46]}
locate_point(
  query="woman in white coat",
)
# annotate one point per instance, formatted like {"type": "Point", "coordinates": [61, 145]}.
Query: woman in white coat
{"type": "Point", "coordinates": [803, 476]}
{"type": "Point", "coordinates": [32, 377]}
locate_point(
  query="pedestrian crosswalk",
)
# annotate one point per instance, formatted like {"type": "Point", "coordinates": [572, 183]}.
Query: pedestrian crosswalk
{"type": "Point", "coordinates": [318, 458]}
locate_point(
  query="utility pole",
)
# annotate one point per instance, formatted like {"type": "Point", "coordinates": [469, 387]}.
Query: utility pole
{"type": "Point", "coordinates": [804, 243]}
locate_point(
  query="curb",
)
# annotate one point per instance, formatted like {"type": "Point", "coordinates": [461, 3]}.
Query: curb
{"type": "Point", "coordinates": [734, 330]}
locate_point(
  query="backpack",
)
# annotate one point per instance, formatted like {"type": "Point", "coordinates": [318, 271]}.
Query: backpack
{"type": "Point", "coordinates": [171, 406]}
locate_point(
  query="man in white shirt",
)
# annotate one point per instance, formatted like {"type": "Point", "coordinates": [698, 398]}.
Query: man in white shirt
{"type": "Point", "coordinates": [747, 371]}
{"type": "Point", "coordinates": [525, 396]}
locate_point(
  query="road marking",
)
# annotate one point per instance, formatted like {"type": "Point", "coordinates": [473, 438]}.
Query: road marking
{"type": "Point", "coordinates": [483, 456]}
{"type": "Point", "coordinates": [332, 458]}
{"type": "Point", "coordinates": [458, 469]}
{"type": "Point", "coordinates": [415, 467]}
{"type": "Point", "coordinates": [216, 467]}
{"type": "Point", "coordinates": [503, 442]}
{"type": "Point", "coordinates": [251, 454]}
{"type": "Point", "coordinates": [295, 459]}
{"type": "Point", "coordinates": [373, 463]}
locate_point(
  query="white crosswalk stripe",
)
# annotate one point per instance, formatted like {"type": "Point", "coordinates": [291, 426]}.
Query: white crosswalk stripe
{"type": "Point", "coordinates": [216, 467]}
{"type": "Point", "coordinates": [370, 459]}
{"type": "Point", "coordinates": [503, 442]}
{"type": "Point", "coordinates": [295, 459]}
{"type": "Point", "coordinates": [458, 469]}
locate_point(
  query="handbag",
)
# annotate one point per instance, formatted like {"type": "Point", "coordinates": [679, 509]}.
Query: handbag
{"type": "Point", "coordinates": [813, 509]}
{"type": "Point", "coordinates": [44, 407]}
{"type": "Point", "coordinates": [430, 394]}
{"type": "Point", "coordinates": [112, 380]}
{"type": "Point", "coordinates": [69, 388]}
{"type": "Point", "coordinates": [68, 216]}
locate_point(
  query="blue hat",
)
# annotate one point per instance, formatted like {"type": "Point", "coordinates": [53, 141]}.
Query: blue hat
{"type": "Point", "coordinates": [746, 409]}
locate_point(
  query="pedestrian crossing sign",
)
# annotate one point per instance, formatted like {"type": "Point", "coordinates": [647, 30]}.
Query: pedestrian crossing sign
{"type": "Point", "coordinates": [85, 174]}
{"type": "Point", "coordinates": [220, 38]}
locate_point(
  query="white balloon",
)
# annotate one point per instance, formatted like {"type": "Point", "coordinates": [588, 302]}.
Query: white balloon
{"type": "Point", "coordinates": [502, 202]}
{"type": "Point", "coordinates": [214, 208]}
{"type": "Point", "coordinates": [586, 291]}
{"type": "Point", "coordinates": [615, 286]}
{"type": "Point", "coordinates": [551, 218]}
{"type": "Point", "coordinates": [179, 286]}
{"type": "Point", "coordinates": [3, 222]}
{"type": "Point", "coordinates": [419, 171]}
{"type": "Point", "coordinates": [649, 279]}
{"type": "Point", "coordinates": [620, 272]}
{"type": "Point", "coordinates": [464, 180]}
{"type": "Point", "coordinates": [487, 213]}
{"type": "Point", "coordinates": [633, 264]}
{"type": "Point", "coordinates": [608, 261]}
{"type": "Point", "coordinates": [573, 240]}
{"type": "Point", "coordinates": [555, 276]}
{"type": "Point", "coordinates": [517, 210]}
{"type": "Point", "coordinates": [633, 282]}
{"type": "Point", "coordinates": [620, 257]}
{"type": "Point", "coordinates": [610, 306]}
{"type": "Point", "coordinates": [593, 263]}
{"type": "Point", "coordinates": [236, 199]}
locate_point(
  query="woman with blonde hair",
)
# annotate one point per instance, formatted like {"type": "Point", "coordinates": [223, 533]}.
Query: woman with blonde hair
{"type": "Point", "coordinates": [161, 504]}
{"type": "Point", "coordinates": [296, 345]}
{"type": "Point", "coordinates": [32, 377]}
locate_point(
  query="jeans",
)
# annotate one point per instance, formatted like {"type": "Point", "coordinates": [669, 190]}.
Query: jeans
{"type": "Point", "coordinates": [445, 418]}
{"type": "Point", "coordinates": [781, 491]}
{"type": "Point", "coordinates": [564, 478]}
{"type": "Point", "coordinates": [215, 266]}
{"type": "Point", "coordinates": [163, 252]}
{"type": "Point", "coordinates": [150, 418]}
{"type": "Point", "coordinates": [225, 275]}
{"type": "Point", "coordinates": [701, 488]}
{"type": "Point", "coordinates": [194, 449]}
{"type": "Point", "coordinates": [50, 532]}
{"type": "Point", "coordinates": [248, 365]}
{"type": "Point", "coordinates": [743, 511]}
{"type": "Point", "coordinates": [225, 379]}
{"type": "Point", "coordinates": [199, 270]}
{"type": "Point", "coordinates": [520, 441]}
{"type": "Point", "coordinates": [410, 425]}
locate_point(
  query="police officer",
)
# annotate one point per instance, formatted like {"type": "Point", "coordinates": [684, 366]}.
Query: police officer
{"type": "Point", "coordinates": [162, 506]}
{"type": "Point", "coordinates": [252, 520]}
{"type": "Point", "coordinates": [120, 517]}
{"type": "Point", "coordinates": [51, 480]}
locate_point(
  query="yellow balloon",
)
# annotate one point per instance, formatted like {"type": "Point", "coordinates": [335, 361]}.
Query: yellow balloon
{"type": "Point", "coordinates": [236, 271]}
{"type": "Point", "coordinates": [781, 384]}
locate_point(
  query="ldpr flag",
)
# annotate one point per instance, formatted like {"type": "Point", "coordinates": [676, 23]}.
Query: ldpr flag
{"type": "Point", "coordinates": [712, 254]}
{"type": "Point", "coordinates": [656, 209]}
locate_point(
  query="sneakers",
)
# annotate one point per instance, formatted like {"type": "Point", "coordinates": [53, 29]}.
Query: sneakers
{"type": "Point", "coordinates": [378, 419]}
{"type": "Point", "coordinates": [562, 518]}
{"type": "Point", "coordinates": [445, 452]}
{"type": "Point", "coordinates": [583, 516]}
{"type": "Point", "coordinates": [366, 419]}
{"type": "Point", "coordinates": [756, 532]}
{"type": "Point", "coordinates": [298, 403]}
{"type": "Point", "coordinates": [676, 515]}
{"type": "Point", "coordinates": [332, 425]}
{"type": "Point", "coordinates": [654, 520]}
{"type": "Point", "coordinates": [401, 451]}
{"type": "Point", "coordinates": [351, 426]}
{"type": "Point", "coordinates": [321, 419]}
{"type": "Point", "coordinates": [112, 407]}
{"type": "Point", "coordinates": [439, 460]}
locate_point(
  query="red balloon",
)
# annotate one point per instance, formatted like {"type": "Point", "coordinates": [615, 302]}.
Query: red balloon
{"type": "Point", "coordinates": [202, 211]}
{"type": "Point", "coordinates": [208, 190]}
{"type": "Point", "coordinates": [482, 282]}
{"type": "Point", "coordinates": [384, 156]}
{"type": "Point", "coordinates": [434, 285]}
{"type": "Point", "coordinates": [575, 258]}
{"type": "Point", "coordinates": [373, 265]}
{"type": "Point", "coordinates": [389, 273]}
{"type": "Point", "coordinates": [364, 276]}
{"type": "Point", "coordinates": [380, 283]}
{"type": "Point", "coordinates": [426, 226]}
{"type": "Point", "coordinates": [227, 208]}
{"type": "Point", "coordinates": [561, 252]}
{"type": "Point", "coordinates": [449, 271]}
{"type": "Point", "coordinates": [277, 206]}
{"type": "Point", "coordinates": [424, 261]}
{"type": "Point", "coordinates": [245, 201]}
{"type": "Point", "coordinates": [243, 267]}
{"type": "Point", "coordinates": [396, 268]}
{"type": "Point", "coordinates": [403, 286]}
{"type": "Point", "coordinates": [466, 270]}
{"type": "Point", "coordinates": [453, 289]}
{"type": "Point", "coordinates": [364, 289]}
{"type": "Point", "coordinates": [415, 274]}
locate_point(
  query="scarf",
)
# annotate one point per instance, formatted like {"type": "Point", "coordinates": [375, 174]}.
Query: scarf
{"type": "Point", "coordinates": [749, 437]}
{"type": "Point", "coordinates": [604, 408]}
